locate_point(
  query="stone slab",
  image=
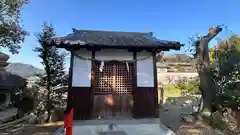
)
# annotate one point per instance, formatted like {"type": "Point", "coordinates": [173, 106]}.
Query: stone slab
{"type": "Point", "coordinates": [119, 127]}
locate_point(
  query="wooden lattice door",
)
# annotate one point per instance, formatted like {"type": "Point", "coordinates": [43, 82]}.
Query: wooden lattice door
{"type": "Point", "coordinates": [113, 91]}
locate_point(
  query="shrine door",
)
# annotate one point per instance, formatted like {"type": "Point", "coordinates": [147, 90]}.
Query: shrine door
{"type": "Point", "coordinates": [113, 91]}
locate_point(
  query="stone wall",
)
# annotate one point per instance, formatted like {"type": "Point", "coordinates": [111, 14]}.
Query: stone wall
{"type": "Point", "coordinates": [173, 77]}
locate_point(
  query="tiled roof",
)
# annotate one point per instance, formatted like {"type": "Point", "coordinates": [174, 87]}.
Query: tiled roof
{"type": "Point", "coordinates": [3, 56]}
{"type": "Point", "coordinates": [180, 58]}
{"type": "Point", "coordinates": [113, 39]}
{"type": "Point", "coordinates": [8, 80]}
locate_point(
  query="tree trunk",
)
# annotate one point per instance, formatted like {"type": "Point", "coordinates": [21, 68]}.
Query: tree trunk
{"type": "Point", "coordinates": [208, 92]}
{"type": "Point", "coordinates": [204, 70]}
{"type": "Point", "coordinates": [49, 102]}
{"type": "Point", "coordinates": [162, 96]}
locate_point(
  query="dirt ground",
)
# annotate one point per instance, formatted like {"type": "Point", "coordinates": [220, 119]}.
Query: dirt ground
{"type": "Point", "coordinates": [170, 116]}
{"type": "Point", "coordinates": [172, 120]}
{"type": "Point", "coordinates": [47, 129]}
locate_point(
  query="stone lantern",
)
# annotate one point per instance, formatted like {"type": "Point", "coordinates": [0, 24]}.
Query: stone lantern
{"type": "Point", "coordinates": [8, 82]}
{"type": "Point", "coordinates": [3, 61]}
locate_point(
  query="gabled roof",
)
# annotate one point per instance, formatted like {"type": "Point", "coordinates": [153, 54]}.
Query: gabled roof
{"type": "Point", "coordinates": [10, 81]}
{"type": "Point", "coordinates": [113, 39]}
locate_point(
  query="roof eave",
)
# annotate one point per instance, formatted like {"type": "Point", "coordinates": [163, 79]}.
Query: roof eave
{"type": "Point", "coordinates": [69, 46]}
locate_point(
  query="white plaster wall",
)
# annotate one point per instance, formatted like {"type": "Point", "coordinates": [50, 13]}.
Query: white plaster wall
{"type": "Point", "coordinates": [145, 74]}
{"type": "Point", "coordinates": [82, 69]}
{"type": "Point", "coordinates": [112, 54]}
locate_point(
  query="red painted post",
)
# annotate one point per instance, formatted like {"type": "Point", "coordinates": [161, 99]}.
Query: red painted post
{"type": "Point", "coordinates": [68, 120]}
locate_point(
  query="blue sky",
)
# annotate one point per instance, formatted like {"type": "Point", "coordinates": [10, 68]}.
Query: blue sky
{"type": "Point", "coordinates": [168, 19]}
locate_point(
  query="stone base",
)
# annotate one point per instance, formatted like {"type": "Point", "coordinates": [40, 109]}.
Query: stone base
{"type": "Point", "coordinates": [118, 127]}
{"type": "Point", "coordinates": [6, 102]}
{"type": "Point", "coordinates": [7, 114]}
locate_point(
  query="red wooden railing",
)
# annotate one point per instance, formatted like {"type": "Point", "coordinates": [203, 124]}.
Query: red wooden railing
{"type": "Point", "coordinates": [68, 122]}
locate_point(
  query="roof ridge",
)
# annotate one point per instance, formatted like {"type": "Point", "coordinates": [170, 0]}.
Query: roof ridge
{"type": "Point", "coordinates": [115, 31]}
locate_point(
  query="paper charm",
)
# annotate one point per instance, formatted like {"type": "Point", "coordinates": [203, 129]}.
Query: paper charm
{"type": "Point", "coordinates": [101, 66]}
{"type": "Point", "coordinates": [127, 66]}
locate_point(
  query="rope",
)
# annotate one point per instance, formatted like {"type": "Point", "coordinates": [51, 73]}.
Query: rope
{"type": "Point", "coordinates": [98, 60]}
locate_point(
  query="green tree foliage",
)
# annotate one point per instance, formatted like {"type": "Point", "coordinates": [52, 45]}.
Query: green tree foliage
{"type": "Point", "coordinates": [180, 68]}
{"type": "Point", "coordinates": [226, 71]}
{"type": "Point", "coordinates": [53, 62]}
{"type": "Point", "coordinates": [193, 86]}
{"type": "Point", "coordinates": [11, 33]}
{"type": "Point", "coordinates": [212, 55]}
{"type": "Point", "coordinates": [188, 86]}
{"type": "Point", "coordinates": [182, 86]}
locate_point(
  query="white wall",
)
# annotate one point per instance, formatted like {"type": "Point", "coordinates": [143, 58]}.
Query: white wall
{"type": "Point", "coordinates": [173, 77]}
{"type": "Point", "coordinates": [145, 74]}
{"type": "Point", "coordinates": [82, 69]}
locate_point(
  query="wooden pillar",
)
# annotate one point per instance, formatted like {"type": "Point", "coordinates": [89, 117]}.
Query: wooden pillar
{"type": "Point", "coordinates": [70, 97]}
{"type": "Point", "coordinates": [155, 84]}
{"type": "Point", "coordinates": [92, 81]}
{"type": "Point", "coordinates": [134, 84]}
